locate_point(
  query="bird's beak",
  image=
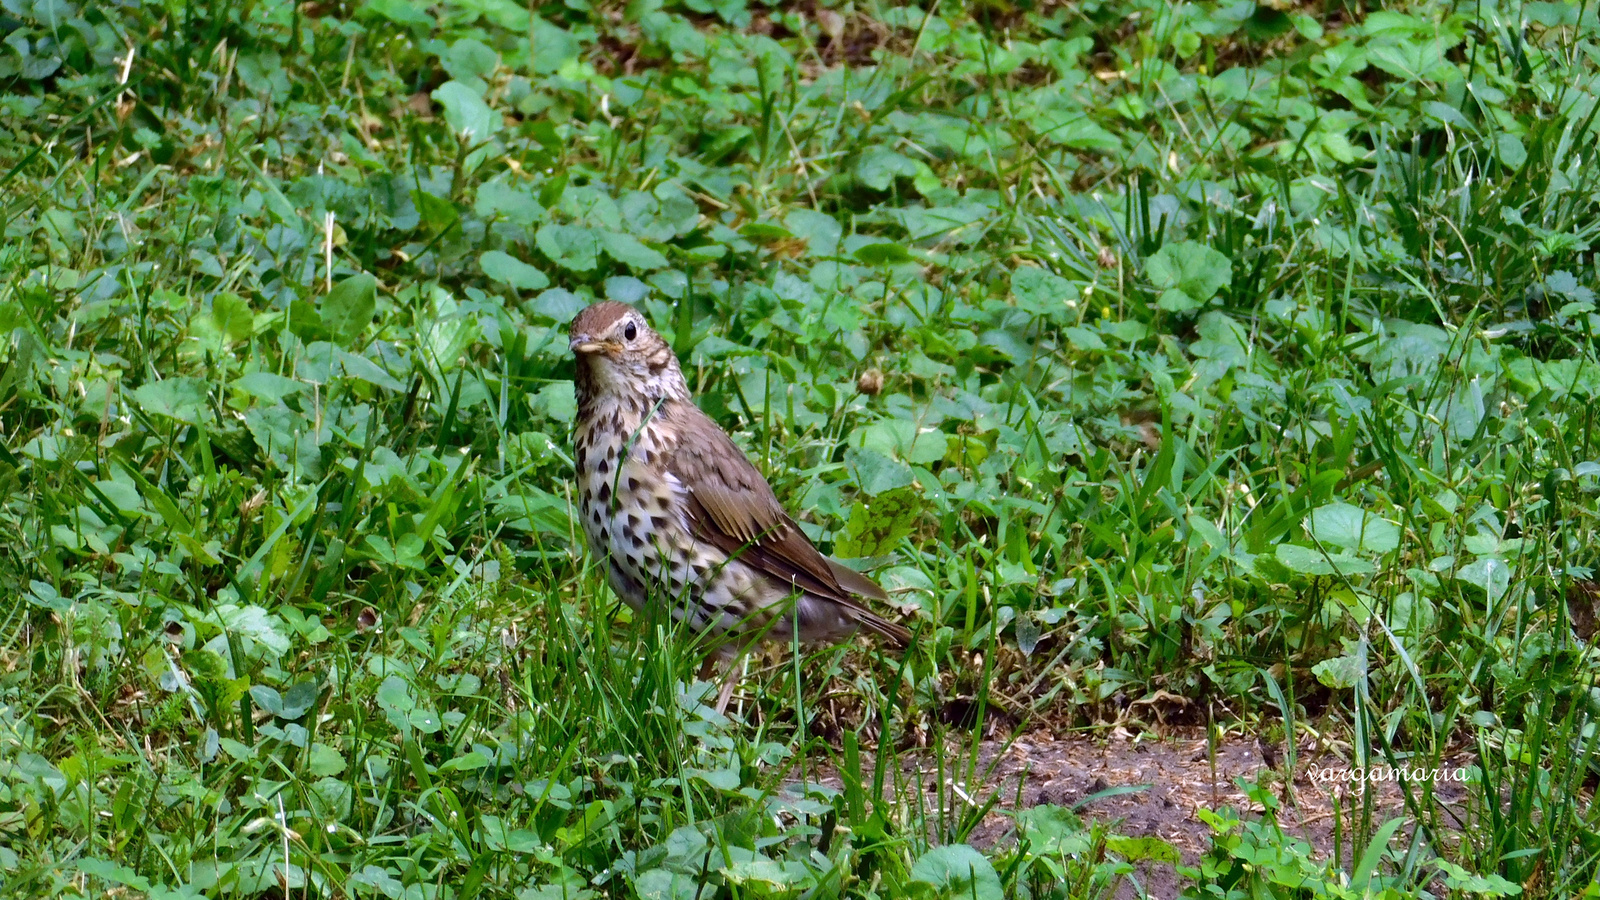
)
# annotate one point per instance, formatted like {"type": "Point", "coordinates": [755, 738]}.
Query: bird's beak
{"type": "Point", "coordinates": [584, 345]}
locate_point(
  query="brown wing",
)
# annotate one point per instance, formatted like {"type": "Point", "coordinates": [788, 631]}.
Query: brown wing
{"type": "Point", "coordinates": [732, 507]}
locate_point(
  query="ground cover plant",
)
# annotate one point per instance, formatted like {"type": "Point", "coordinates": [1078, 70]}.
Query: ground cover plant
{"type": "Point", "coordinates": [1223, 365]}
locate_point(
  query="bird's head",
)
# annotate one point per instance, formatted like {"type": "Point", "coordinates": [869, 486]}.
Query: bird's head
{"type": "Point", "coordinates": [618, 353]}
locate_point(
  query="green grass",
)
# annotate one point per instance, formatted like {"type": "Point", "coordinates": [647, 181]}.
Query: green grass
{"type": "Point", "coordinates": [1237, 352]}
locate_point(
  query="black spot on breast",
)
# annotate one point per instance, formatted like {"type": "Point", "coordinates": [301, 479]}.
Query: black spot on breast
{"type": "Point", "coordinates": [659, 522]}
{"type": "Point", "coordinates": [664, 502]}
{"type": "Point", "coordinates": [605, 492]}
{"type": "Point", "coordinates": [595, 514]}
{"type": "Point", "coordinates": [603, 466]}
{"type": "Point", "coordinates": [635, 521]}
{"type": "Point", "coordinates": [583, 457]}
{"type": "Point", "coordinates": [611, 451]}
{"type": "Point", "coordinates": [633, 484]}
{"type": "Point", "coordinates": [636, 538]}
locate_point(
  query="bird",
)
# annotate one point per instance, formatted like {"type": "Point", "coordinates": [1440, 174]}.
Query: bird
{"type": "Point", "coordinates": [682, 520]}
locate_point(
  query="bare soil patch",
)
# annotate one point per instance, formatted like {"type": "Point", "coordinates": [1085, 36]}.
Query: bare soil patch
{"type": "Point", "coordinates": [1179, 776]}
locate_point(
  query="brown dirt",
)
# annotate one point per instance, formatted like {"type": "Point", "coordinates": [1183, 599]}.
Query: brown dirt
{"type": "Point", "coordinates": [1043, 768]}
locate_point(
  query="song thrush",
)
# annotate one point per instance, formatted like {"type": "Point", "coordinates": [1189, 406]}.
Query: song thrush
{"type": "Point", "coordinates": [678, 514]}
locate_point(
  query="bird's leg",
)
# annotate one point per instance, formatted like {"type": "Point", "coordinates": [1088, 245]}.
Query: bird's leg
{"type": "Point", "coordinates": [708, 670]}
{"type": "Point", "coordinates": [726, 694]}
{"type": "Point", "coordinates": [731, 658]}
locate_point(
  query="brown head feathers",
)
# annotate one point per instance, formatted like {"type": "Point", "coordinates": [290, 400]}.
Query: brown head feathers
{"type": "Point", "coordinates": [596, 320]}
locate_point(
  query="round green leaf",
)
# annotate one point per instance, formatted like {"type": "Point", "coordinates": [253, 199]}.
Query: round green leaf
{"type": "Point", "coordinates": [395, 694]}
{"type": "Point", "coordinates": [233, 316]}
{"type": "Point", "coordinates": [1339, 673]}
{"type": "Point", "coordinates": [571, 247]}
{"type": "Point", "coordinates": [558, 304]}
{"type": "Point", "coordinates": [1352, 528]}
{"type": "Point", "coordinates": [112, 872]}
{"type": "Point", "coordinates": [628, 250]}
{"type": "Point", "coordinates": [1188, 275]}
{"type": "Point", "coordinates": [1040, 291]}
{"type": "Point", "coordinates": [465, 112]}
{"type": "Point", "coordinates": [1491, 574]}
{"type": "Point", "coordinates": [820, 231]}
{"type": "Point", "coordinates": [765, 233]}
{"type": "Point", "coordinates": [267, 699]}
{"type": "Point", "coordinates": [325, 760]}
{"type": "Point", "coordinates": [1309, 561]}
{"type": "Point", "coordinates": [875, 527]}
{"type": "Point", "coordinates": [468, 58]}
{"type": "Point", "coordinates": [508, 270]}
{"type": "Point", "coordinates": [401, 12]}
{"type": "Point", "coordinates": [626, 289]}
{"type": "Point", "coordinates": [880, 166]}
{"type": "Point", "coordinates": [349, 307]}
{"type": "Point", "coordinates": [957, 870]}
{"type": "Point", "coordinates": [182, 398]}
{"type": "Point", "coordinates": [905, 439]}
{"type": "Point", "coordinates": [875, 472]}
{"type": "Point", "coordinates": [883, 254]}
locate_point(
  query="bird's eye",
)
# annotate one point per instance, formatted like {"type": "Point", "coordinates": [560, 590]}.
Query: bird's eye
{"type": "Point", "coordinates": [630, 332]}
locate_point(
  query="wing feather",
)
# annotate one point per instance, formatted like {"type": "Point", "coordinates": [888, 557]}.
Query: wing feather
{"type": "Point", "coordinates": [732, 507]}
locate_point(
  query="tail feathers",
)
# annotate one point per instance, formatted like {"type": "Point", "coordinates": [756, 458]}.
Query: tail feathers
{"type": "Point", "coordinates": [861, 586]}
{"type": "Point", "coordinates": [899, 634]}
{"type": "Point", "coordinates": [854, 582]}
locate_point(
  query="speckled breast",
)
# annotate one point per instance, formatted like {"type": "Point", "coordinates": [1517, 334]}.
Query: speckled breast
{"type": "Point", "coordinates": [633, 519]}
